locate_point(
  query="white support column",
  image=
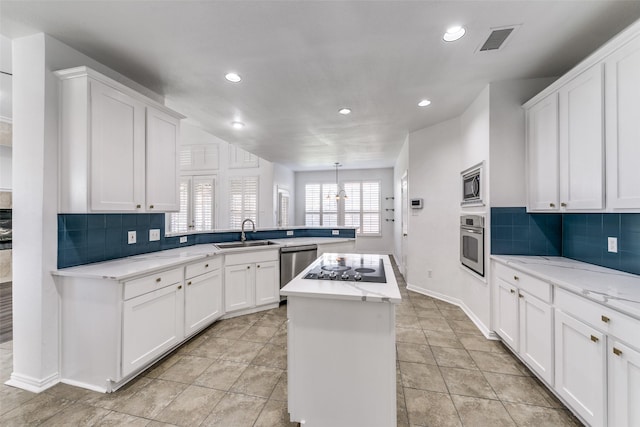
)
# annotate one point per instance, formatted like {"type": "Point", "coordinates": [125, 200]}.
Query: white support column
{"type": "Point", "coordinates": [35, 299]}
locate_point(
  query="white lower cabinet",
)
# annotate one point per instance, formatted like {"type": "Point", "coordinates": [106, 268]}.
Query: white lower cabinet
{"type": "Point", "coordinates": [587, 352]}
{"type": "Point", "coordinates": [624, 385]}
{"type": "Point", "coordinates": [580, 368]}
{"type": "Point", "coordinates": [267, 282]}
{"type": "Point", "coordinates": [524, 321]}
{"type": "Point", "coordinates": [203, 301]}
{"type": "Point", "coordinates": [151, 324]}
{"type": "Point", "coordinates": [239, 282]}
{"type": "Point", "coordinates": [251, 279]}
{"type": "Point", "coordinates": [536, 332]}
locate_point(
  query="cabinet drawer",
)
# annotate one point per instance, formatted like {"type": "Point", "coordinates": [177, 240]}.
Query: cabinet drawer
{"type": "Point", "coordinates": [533, 286]}
{"type": "Point", "coordinates": [159, 280]}
{"type": "Point", "coordinates": [600, 317]}
{"type": "Point", "coordinates": [251, 257]}
{"type": "Point", "coordinates": [202, 267]}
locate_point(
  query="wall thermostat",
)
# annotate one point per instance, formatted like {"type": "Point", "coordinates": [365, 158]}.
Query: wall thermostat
{"type": "Point", "coordinates": [416, 203]}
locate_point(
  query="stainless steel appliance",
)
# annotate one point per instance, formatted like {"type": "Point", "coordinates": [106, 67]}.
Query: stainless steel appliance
{"type": "Point", "coordinates": [472, 242]}
{"type": "Point", "coordinates": [294, 259]}
{"type": "Point", "coordinates": [472, 182]}
{"type": "Point", "coordinates": [349, 267]}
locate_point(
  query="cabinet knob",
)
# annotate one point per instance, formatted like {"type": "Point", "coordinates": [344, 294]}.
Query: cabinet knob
{"type": "Point", "coordinates": [189, 283]}
{"type": "Point", "coordinates": [179, 286]}
{"type": "Point", "coordinates": [516, 278]}
{"type": "Point", "coordinates": [248, 267]}
{"type": "Point", "coordinates": [150, 206]}
{"type": "Point", "coordinates": [552, 205]}
{"type": "Point", "coordinates": [520, 295]}
{"type": "Point", "coordinates": [594, 338]}
{"type": "Point", "coordinates": [512, 291]}
{"type": "Point", "coordinates": [563, 204]}
{"type": "Point", "coordinates": [604, 318]}
{"type": "Point", "coordinates": [138, 206]}
{"type": "Point", "coordinates": [206, 266]}
{"type": "Point", "coordinates": [617, 351]}
{"type": "Point", "coordinates": [258, 265]}
{"type": "Point", "coordinates": [158, 280]}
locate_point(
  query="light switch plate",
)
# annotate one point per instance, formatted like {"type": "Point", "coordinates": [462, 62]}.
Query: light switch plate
{"type": "Point", "coordinates": [154, 234]}
{"type": "Point", "coordinates": [335, 232]}
{"type": "Point", "coordinates": [183, 239]}
{"type": "Point", "coordinates": [612, 244]}
{"type": "Point", "coordinates": [289, 232]}
{"type": "Point", "coordinates": [131, 237]}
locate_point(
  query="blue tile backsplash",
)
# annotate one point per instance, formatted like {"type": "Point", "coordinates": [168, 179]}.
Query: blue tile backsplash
{"type": "Point", "coordinates": [86, 238]}
{"type": "Point", "coordinates": [582, 237]}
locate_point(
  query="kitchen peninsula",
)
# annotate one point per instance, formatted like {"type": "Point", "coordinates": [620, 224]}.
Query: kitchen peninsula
{"type": "Point", "coordinates": [341, 341]}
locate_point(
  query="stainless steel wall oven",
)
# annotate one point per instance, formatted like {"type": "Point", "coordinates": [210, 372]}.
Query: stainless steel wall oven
{"type": "Point", "coordinates": [472, 242]}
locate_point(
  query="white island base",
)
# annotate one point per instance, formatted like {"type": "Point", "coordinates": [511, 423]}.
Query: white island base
{"type": "Point", "coordinates": [342, 358]}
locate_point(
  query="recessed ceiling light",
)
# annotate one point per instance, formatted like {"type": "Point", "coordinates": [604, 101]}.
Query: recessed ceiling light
{"type": "Point", "coordinates": [344, 111]}
{"type": "Point", "coordinates": [237, 125]}
{"type": "Point", "coordinates": [233, 77]}
{"type": "Point", "coordinates": [454, 33]}
{"type": "Point", "coordinates": [424, 103]}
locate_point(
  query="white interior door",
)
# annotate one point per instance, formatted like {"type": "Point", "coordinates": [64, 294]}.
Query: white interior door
{"type": "Point", "coordinates": [404, 185]}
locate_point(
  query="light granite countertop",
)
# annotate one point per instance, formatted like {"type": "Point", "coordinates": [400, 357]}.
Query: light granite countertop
{"type": "Point", "coordinates": [346, 290]}
{"type": "Point", "coordinates": [139, 265]}
{"type": "Point", "coordinates": [612, 288]}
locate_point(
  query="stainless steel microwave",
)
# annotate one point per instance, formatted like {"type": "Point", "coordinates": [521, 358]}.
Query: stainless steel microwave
{"type": "Point", "coordinates": [472, 181]}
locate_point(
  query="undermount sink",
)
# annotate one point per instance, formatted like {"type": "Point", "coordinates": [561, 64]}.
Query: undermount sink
{"type": "Point", "coordinates": [245, 244]}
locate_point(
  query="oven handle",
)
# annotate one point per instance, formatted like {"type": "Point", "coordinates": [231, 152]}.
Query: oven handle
{"type": "Point", "coordinates": [472, 231]}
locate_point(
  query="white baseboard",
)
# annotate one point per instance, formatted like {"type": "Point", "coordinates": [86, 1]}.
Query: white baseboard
{"type": "Point", "coordinates": [84, 385]}
{"type": "Point", "coordinates": [31, 384]}
{"type": "Point", "coordinates": [488, 333]}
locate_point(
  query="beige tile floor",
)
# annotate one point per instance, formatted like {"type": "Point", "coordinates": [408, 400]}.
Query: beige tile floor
{"type": "Point", "coordinates": [234, 374]}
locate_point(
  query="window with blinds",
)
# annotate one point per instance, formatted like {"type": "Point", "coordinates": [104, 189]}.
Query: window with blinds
{"type": "Point", "coordinates": [197, 205]}
{"type": "Point", "coordinates": [361, 208]}
{"type": "Point", "coordinates": [283, 208]}
{"type": "Point", "coordinates": [243, 200]}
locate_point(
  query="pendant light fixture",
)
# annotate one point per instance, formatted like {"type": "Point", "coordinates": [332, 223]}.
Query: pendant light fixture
{"type": "Point", "coordinates": [341, 192]}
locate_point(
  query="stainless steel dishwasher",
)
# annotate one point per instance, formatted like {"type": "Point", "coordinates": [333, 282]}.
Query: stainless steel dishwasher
{"type": "Point", "coordinates": [294, 259]}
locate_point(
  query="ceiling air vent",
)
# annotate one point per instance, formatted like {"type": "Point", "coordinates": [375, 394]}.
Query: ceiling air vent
{"type": "Point", "coordinates": [496, 39]}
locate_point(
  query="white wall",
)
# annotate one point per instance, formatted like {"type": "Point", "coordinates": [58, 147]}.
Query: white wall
{"type": "Point", "coordinates": [284, 179]}
{"type": "Point", "coordinates": [370, 244]}
{"type": "Point", "coordinates": [507, 178]}
{"type": "Point", "coordinates": [433, 234]}
{"type": "Point", "coordinates": [400, 168]}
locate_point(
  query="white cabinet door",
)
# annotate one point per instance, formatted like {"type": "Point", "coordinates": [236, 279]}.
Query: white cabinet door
{"type": "Point", "coordinates": [624, 385]}
{"type": "Point", "coordinates": [203, 301]}
{"type": "Point", "coordinates": [536, 335]}
{"type": "Point", "coordinates": [582, 141]}
{"type": "Point", "coordinates": [542, 155]}
{"type": "Point", "coordinates": [162, 162]}
{"type": "Point", "coordinates": [152, 323]}
{"type": "Point", "coordinates": [622, 92]}
{"type": "Point", "coordinates": [267, 282]}
{"type": "Point", "coordinates": [239, 281]}
{"type": "Point", "coordinates": [580, 367]}
{"type": "Point", "coordinates": [506, 315]}
{"type": "Point", "coordinates": [117, 155]}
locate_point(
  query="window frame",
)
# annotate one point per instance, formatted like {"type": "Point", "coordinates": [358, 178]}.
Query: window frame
{"type": "Point", "coordinates": [243, 212]}
{"type": "Point", "coordinates": [191, 179]}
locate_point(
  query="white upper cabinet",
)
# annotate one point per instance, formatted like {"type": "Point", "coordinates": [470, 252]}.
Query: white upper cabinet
{"type": "Point", "coordinates": [542, 154]}
{"type": "Point", "coordinates": [595, 120]}
{"type": "Point", "coordinates": [162, 161]}
{"type": "Point", "coordinates": [118, 150]}
{"type": "Point", "coordinates": [582, 142]}
{"type": "Point", "coordinates": [622, 95]}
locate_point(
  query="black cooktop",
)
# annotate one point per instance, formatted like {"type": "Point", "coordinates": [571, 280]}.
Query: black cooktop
{"type": "Point", "coordinates": [354, 268]}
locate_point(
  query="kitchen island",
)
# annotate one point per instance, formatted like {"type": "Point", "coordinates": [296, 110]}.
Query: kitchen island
{"type": "Point", "coordinates": [341, 342]}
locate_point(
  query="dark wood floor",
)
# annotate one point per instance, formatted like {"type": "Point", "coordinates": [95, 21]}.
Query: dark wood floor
{"type": "Point", "coordinates": [6, 317]}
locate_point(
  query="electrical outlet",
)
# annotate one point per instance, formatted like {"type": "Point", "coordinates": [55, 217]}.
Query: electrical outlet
{"type": "Point", "coordinates": [335, 232]}
{"type": "Point", "coordinates": [289, 232]}
{"type": "Point", "coordinates": [612, 244]}
{"type": "Point", "coordinates": [183, 239]}
{"type": "Point", "coordinates": [154, 234]}
{"type": "Point", "coordinates": [131, 237]}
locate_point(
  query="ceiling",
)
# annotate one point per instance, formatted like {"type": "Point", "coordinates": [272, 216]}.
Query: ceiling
{"type": "Point", "coordinates": [303, 60]}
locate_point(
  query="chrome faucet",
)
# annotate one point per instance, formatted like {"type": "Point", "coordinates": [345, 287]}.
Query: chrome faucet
{"type": "Point", "coordinates": [243, 236]}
